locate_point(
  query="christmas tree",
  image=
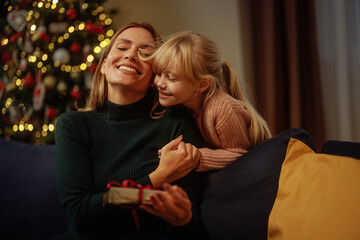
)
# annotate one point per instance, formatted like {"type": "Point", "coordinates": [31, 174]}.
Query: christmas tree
{"type": "Point", "coordinates": [49, 51]}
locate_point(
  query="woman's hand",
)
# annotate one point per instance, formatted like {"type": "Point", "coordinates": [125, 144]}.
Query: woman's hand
{"type": "Point", "coordinates": [177, 159]}
{"type": "Point", "coordinates": [173, 205]}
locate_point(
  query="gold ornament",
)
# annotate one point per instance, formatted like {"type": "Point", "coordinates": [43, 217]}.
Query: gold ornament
{"type": "Point", "coordinates": [49, 81]}
{"type": "Point", "coordinates": [62, 87]}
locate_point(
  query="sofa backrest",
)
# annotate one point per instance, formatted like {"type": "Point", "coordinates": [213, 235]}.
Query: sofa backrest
{"type": "Point", "coordinates": [342, 148]}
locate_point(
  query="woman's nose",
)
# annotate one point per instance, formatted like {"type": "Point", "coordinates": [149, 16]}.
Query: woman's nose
{"type": "Point", "coordinates": [132, 54]}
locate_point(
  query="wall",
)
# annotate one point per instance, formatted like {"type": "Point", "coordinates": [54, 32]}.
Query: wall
{"type": "Point", "coordinates": [217, 19]}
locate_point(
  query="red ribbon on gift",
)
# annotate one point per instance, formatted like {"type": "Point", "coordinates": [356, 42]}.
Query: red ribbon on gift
{"type": "Point", "coordinates": [132, 184]}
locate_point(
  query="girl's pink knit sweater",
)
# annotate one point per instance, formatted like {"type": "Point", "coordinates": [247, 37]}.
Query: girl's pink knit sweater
{"type": "Point", "coordinates": [224, 122]}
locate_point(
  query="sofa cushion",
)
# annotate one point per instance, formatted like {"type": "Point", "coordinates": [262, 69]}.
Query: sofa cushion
{"type": "Point", "coordinates": [239, 197]}
{"type": "Point", "coordinates": [318, 196]}
{"type": "Point", "coordinates": [29, 205]}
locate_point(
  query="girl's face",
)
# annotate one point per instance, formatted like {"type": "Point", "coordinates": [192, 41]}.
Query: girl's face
{"type": "Point", "coordinates": [175, 89]}
{"type": "Point", "coordinates": [123, 67]}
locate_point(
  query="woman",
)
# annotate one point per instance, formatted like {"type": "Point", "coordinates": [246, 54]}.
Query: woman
{"type": "Point", "coordinates": [117, 140]}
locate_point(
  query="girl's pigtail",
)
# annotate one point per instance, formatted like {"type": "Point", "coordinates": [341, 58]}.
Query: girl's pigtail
{"type": "Point", "coordinates": [231, 82]}
{"type": "Point", "coordinates": [259, 130]}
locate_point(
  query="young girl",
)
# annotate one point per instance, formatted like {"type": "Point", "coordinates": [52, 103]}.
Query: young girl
{"type": "Point", "coordinates": [189, 71]}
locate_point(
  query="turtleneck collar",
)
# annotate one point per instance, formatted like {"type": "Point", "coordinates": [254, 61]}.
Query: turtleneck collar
{"type": "Point", "coordinates": [137, 109]}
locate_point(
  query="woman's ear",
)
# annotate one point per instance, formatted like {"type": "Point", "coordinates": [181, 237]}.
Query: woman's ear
{"type": "Point", "coordinates": [102, 70]}
{"type": "Point", "coordinates": [205, 84]}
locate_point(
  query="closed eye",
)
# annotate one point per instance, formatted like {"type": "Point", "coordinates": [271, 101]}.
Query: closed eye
{"type": "Point", "coordinates": [144, 53]}
{"type": "Point", "coordinates": [170, 78]}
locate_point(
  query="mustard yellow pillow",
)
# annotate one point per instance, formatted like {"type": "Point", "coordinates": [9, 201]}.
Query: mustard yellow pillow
{"type": "Point", "coordinates": [318, 196]}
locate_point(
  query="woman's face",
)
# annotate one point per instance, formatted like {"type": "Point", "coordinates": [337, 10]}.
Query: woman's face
{"type": "Point", "coordinates": [122, 67]}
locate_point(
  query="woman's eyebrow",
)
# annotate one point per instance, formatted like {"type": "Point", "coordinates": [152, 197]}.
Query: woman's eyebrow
{"type": "Point", "coordinates": [145, 45]}
{"type": "Point", "coordinates": [123, 40]}
{"type": "Point", "coordinates": [142, 45]}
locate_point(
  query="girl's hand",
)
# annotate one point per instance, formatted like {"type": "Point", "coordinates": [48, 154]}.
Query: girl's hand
{"type": "Point", "coordinates": [173, 205]}
{"type": "Point", "coordinates": [177, 160]}
{"type": "Point", "coordinates": [175, 146]}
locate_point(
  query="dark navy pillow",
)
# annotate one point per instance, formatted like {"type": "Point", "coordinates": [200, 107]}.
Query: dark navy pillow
{"type": "Point", "coordinates": [30, 207]}
{"type": "Point", "coordinates": [238, 199]}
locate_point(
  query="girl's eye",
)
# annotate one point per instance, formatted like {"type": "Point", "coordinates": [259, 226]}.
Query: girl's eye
{"type": "Point", "coordinates": [170, 78]}
{"type": "Point", "coordinates": [158, 74]}
{"type": "Point", "coordinates": [122, 49]}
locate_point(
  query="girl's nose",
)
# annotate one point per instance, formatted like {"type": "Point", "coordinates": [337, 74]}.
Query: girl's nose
{"type": "Point", "coordinates": [160, 81]}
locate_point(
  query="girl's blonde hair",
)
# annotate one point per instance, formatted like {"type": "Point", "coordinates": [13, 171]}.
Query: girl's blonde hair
{"type": "Point", "coordinates": [99, 91]}
{"type": "Point", "coordinates": [197, 57]}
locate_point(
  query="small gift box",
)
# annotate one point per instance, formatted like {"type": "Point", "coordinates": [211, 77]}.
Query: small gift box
{"type": "Point", "coordinates": [128, 194]}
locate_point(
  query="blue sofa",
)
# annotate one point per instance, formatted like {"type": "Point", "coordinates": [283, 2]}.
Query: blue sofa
{"type": "Point", "coordinates": [236, 205]}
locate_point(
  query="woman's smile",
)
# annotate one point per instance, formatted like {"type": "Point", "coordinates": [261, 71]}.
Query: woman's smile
{"type": "Point", "coordinates": [129, 69]}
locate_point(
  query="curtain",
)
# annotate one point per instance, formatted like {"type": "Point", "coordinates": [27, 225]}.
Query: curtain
{"type": "Point", "coordinates": [339, 52]}
{"type": "Point", "coordinates": [287, 75]}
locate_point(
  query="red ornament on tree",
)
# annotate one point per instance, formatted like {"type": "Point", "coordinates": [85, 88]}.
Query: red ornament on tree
{"type": "Point", "coordinates": [94, 28]}
{"type": "Point", "coordinates": [75, 47]}
{"type": "Point", "coordinates": [75, 93]}
{"type": "Point", "coordinates": [24, 4]}
{"type": "Point", "coordinates": [51, 113]}
{"type": "Point", "coordinates": [29, 80]}
{"type": "Point", "coordinates": [71, 13]}
{"type": "Point", "coordinates": [89, 26]}
{"type": "Point", "coordinates": [15, 36]}
{"type": "Point", "coordinates": [45, 37]}
{"type": "Point", "coordinates": [92, 68]}
{"type": "Point", "coordinates": [6, 56]}
{"type": "Point", "coordinates": [2, 89]}
{"type": "Point", "coordinates": [2, 86]}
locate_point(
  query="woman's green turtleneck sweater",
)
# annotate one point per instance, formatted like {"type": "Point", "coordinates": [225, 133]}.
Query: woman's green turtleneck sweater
{"type": "Point", "coordinates": [94, 148]}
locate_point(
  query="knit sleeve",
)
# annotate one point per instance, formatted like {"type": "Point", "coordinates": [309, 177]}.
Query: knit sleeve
{"type": "Point", "coordinates": [79, 198]}
{"type": "Point", "coordinates": [231, 136]}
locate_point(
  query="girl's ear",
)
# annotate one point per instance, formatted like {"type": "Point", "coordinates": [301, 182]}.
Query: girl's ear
{"type": "Point", "coordinates": [102, 70]}
{"type": "Point", "coordinates": [205, 84]}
